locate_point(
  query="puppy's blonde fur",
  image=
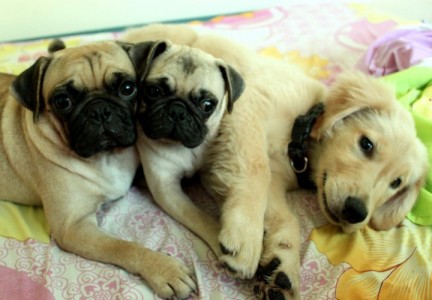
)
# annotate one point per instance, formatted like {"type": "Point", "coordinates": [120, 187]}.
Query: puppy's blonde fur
{"type": "Point", "coordinates": [360, 106]}
{"type": "Point", "coordinates": [249, 170]}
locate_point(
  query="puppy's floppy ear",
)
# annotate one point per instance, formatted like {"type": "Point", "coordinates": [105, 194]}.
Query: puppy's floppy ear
{"type": "Point", "coordinates": [56, 45]}
{"type": "Point", "coordinates": [142, 55]}
{"type": "Point", "coordinates": [351, 93]}
{"type": "Point", "coordinates": [395, 209]}
{"type": "Point", "coordinates": [234, 84]}
{"type": "Point", "coordinates": [27, 87]}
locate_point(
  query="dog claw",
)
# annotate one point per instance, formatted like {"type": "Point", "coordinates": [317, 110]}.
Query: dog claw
{"type": "Point", "coordinates": [275, 295]}
{"type": "Point", "coordinates": [226, 251]}
{"type": "Point", "coordinates": [229, 268]}
{"type": "Point", "coordinates": [265, 272]}
{"type": "Point", "coordinates": [271, 283]}
{"type": "Point", "coordinates": [283, 281]}
{"type": "Point", "coordinates": [257, 289]}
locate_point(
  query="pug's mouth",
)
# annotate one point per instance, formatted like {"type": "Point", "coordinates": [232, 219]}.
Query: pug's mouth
{"type": "Point", "coordinates": [159, 123]}
{"type": "Point", "coordinates": [101, 126]}
{"type": "Point", "coordinates": [327, 209]}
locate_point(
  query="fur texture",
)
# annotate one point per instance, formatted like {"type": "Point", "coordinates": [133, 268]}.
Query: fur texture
{"type": "Point", "coordinates": [363, 148]}
{"type": "Point", "coordinates": [39, 167]}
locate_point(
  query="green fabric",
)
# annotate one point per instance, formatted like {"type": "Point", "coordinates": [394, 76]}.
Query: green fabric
{"type": "Point", "coordinates": [414, 91]}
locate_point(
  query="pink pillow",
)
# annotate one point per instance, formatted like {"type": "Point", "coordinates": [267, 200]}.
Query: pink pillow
{"type": "Point", "coordinates": [397, 50]}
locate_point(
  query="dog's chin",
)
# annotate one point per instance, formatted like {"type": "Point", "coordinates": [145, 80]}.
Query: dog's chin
{"type": "Point", "coordinates": [330, 216]}
{"type": "Point", "coordinates": [187, 141]}
{"type": "Point", "coordinates": [88, 149]}
{"type": "Point", "coordinates": [350, 228]}
{"type": "Point", "coordinates": [191, 142]}
{"type": "Point", "coordinates": [188, 138]}
{"type": "Point", "coordinates": [333, 219]}
{"type": "Point", "coordinates": [102, 140]}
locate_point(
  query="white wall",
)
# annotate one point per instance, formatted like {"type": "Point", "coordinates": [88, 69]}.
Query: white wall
{"type": "Point", "coordinates": [26, 19]}
{"type": "Point", "coordinates": [23, 19]}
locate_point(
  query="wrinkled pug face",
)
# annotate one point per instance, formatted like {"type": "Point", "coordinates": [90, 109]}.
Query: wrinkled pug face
{"type": "Point", "coordinates": [88, 92]}
{"type": "Point", "coordinates": [183, 95]}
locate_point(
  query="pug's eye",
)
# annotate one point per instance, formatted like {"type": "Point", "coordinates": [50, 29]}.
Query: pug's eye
{"type": "Point", "coordinates": [396, 183]}
{"type": "Point", "coordinates": [62, 102]}
{"type": "Point", "coordinates": [207, 105]}
{"type": "Point", "coordinates": [153, 91]}
{"type": "Point", "coordinates": [127, 89]}
{"type": "Point", "coordinates": [366, 145]}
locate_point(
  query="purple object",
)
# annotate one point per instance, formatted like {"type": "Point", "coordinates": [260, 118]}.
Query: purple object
{"type": "Point", "coordinates": [397, 50]}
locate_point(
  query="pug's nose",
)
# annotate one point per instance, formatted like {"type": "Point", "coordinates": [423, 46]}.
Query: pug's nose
{"type": "Point", "coordinates": [177, 111]}
{"type": "Point", "coordinates": [354, 210]}
{"type": "Point", "coordinates": [101, 114]}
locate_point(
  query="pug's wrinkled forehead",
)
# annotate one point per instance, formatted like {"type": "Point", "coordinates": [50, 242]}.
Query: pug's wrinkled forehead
{"type": "Point", "coordinates": [92, 66]}
{"type": "Point", "coordinates": [187, 71]}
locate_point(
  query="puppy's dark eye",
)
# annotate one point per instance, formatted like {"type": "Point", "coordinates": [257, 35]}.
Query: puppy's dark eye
{"type": "Point", "coordinates": [207, 105]}
{"type": "Point", "coordinates": [396, 183]}
{"type": "Point", "coordinates": [62, 102]}
{"type": "Point", "coordinates": [127, 89]}
{"type": "Point", "coordinates": [153, 91]}
{"type": "Point", "coordinates": [366, 145]}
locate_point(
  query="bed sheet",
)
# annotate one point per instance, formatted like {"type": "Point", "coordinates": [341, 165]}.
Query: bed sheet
{"type": "Point", "coordinates": [324, 40]}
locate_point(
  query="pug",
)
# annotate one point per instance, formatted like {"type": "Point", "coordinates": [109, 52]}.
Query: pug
{"type": "Point", "coordinates": [67, 143]}
{"type": "Point", "coordinates": [246, 167]}
{"type": "Point", "coordinates": [185, 94]}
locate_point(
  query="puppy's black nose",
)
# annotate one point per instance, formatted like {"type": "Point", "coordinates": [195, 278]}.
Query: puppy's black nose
{"type": "Point", "coordinates": [177, 111]}
{"type": "Point", "coordinates": [354, 210]}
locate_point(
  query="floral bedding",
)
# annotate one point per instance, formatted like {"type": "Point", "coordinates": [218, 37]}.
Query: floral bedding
{"type": "Point", "coordinates": [324, 40]}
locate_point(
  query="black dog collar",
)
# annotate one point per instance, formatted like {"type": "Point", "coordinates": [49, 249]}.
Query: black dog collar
{"type": "Point", "coordinates": [297, 147]}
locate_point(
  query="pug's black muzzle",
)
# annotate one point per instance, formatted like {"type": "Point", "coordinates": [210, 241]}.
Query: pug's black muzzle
{"type": "Point", "coordinates": [175, 120]}
{"type": "Point", "coordinates": [101, 124]}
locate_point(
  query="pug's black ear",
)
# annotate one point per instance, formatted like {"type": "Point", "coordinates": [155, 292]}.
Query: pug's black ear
{"type": "Point", "coordinates": [27, 87]}
{"type": "Point", "coordinates": [142, 55]}
{"type": "Point", "coordinates": [234, 84]}
{"type": "Point", "coordinates": [56, 45]}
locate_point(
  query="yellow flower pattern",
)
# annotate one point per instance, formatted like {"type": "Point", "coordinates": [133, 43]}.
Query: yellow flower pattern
{"type": "Point", "coordinates": [314, 65]}
{"type": "Point", "coordinates": [394, 264]}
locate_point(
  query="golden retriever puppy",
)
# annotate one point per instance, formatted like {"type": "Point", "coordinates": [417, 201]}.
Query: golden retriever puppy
{"type": "Point", "coordinates": [367, 162]}
{"type": "Point", "coordinates": [366, 166]}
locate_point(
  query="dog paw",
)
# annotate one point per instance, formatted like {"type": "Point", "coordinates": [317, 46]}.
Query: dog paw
{"type": "Point", "coordinates": [241, 250]}
{"type": "Point", "coordinates": [170, 278]}
{"type": "Point", "coordinates": [273, 283]}
{"type": "Point", "coordinates": [278, 276]}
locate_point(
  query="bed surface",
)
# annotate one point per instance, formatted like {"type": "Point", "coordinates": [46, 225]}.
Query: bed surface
{"type": "Point", "coordinates": [323, 40]}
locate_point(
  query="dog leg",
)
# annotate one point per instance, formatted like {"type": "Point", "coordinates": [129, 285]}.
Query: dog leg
{"type": "Point", "coordinates": [81, 235]}
{"type": "Point", "coordinates": [168, 194]}
{"type": "Point", "coordinates": [241, 235]}
{"type": "Point", "coordinates": [278, 276]}
{"type": "Point", "coordinates": [245, 186]}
